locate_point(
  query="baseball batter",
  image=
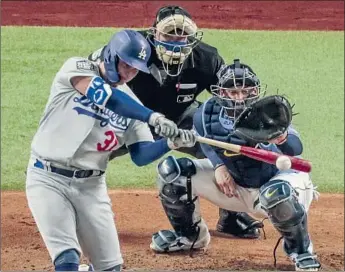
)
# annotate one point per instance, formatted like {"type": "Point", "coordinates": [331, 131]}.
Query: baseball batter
{"type": "Point", "coordinates": [90, 113]}
{"type": "Point", "coordinates": [232, 181]}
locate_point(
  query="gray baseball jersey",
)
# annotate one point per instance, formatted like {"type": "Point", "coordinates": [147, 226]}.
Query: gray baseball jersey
{"type": "Point", "coordinates": [76, 213]}
{"type": "Point", "coordinates": [74, 132]}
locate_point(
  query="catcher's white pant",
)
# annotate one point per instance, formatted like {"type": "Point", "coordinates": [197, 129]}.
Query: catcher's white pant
{"type": "Point", "coordinates": [75, 214]}
{"type": "Point", "coordinates": [204, 185]}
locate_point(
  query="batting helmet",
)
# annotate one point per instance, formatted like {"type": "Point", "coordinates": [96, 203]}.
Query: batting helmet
{"type": "Point", "coordinates": [129, 46]}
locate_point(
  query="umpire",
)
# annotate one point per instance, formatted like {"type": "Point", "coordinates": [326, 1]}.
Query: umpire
{"type": "Point", "coordinates": [182, 67]}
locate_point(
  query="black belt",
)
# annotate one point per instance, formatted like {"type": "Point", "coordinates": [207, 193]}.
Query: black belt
{"type": "Point", "coordinates": [69, 173]}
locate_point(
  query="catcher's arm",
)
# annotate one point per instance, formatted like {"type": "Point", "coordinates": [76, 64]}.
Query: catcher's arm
{"type": "Point", "coordinates": [292, 146]}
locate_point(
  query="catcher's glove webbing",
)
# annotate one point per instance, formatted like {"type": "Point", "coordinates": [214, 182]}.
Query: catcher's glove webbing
{"type": "Point", "coordinates": [264, 119]}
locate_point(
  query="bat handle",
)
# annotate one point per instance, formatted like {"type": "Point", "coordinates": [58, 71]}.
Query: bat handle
{"type": "Point", "coordinates": [227, 146]}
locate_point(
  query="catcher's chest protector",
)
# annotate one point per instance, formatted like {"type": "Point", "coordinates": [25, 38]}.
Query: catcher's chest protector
{"type": "Point", "coordinates": [246, 172]}
{"type": "Point", "coordinates": [215, 130]}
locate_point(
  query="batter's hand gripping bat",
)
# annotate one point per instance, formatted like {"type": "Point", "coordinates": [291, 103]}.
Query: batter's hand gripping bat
{"type": "Point", "coordinates": [258, 154]}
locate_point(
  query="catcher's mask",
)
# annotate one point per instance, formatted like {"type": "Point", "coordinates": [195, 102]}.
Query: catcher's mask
{"type": "Point", "coordinates": [237, 87]}
{"type": "Point", "coordinates": [174, 35]}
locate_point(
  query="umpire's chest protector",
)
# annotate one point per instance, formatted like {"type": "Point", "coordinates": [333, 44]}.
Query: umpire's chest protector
{"type": "Point", "coordinates": [246, 171]}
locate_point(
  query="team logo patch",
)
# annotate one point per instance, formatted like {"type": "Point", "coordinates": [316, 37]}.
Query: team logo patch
{"type": "Point", "coordinates": [184, 98]}
{"type": "Point", "coordinates": [85, 65]}
{"type": "Point", "coordinates": [142, 54]}
{"type": "Point", "coordinates": [270, 193]}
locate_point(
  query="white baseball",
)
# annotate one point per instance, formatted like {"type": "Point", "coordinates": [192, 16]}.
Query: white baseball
{"type": "Point", "coordinates": [283, 163]}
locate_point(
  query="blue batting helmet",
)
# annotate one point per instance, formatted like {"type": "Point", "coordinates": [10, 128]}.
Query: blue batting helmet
{"type": "Point", "coordinates": [129, 46]}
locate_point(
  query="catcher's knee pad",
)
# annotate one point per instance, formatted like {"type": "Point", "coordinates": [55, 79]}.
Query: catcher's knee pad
{"type": "Point", "coordinates": [175, 193]}
{"type": "Point", "coordinates": [67, 261]}
{"type": "Point", "coordinates": [287, 215]}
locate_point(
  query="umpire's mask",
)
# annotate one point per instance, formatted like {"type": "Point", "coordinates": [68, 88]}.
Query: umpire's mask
{"type": "Point", "coordinates": [237, 87]}
{"type": "Point", "coordinates": [174, 35]}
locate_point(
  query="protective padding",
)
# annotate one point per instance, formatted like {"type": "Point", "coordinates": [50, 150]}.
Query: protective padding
{"type": "Point", "coordinates": [176, 196]}
{"type": "Point", "coordinates": [287, 215]}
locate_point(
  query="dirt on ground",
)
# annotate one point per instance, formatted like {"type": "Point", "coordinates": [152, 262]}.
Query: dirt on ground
{"type": "Point", "coordinates": [139, 213]}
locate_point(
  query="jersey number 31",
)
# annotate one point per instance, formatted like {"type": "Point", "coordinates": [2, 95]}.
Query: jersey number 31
{"type": "Point", "coordinates": [109, 143]}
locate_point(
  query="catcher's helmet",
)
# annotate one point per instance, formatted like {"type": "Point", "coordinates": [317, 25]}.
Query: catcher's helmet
{"type": "Point", "coordinates": [232, 80]}
{"type": "Point", "coordinates": [180, 35]}
{"type": "Point", "coordinates": [129, 46]}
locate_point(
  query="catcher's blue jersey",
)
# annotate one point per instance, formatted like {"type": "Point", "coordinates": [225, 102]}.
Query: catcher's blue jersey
{"type": "Point", "coordinates": [211, 121]}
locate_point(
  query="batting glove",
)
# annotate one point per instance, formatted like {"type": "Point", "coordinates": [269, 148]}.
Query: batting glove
{"type": "Point", "coordinates": [163, 126]}
{"type": "Point", "coordinates": [185, 138]}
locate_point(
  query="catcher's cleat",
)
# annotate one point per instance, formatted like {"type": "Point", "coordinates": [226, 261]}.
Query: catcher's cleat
{"type": "Point", "coordinates": [166, 241]}
{"type": "Point", "coordinates": [239, 224]}
{"type": "Point", "coordinates": [85, 267]}
{"type": "Point", "coordinates": [305, 262]}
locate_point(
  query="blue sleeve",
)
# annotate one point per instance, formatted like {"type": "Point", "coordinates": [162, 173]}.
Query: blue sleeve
{"type": "Point", "coordinates": [143, 153]}
{"type": "Point", "coordinates": [293, 145]}
{"type": "Point", "coordinates": [122, 104]}
{"type": "Point", "coordinates": [211, 155]}
{"type": "Point", "coordinates": [206, 149]}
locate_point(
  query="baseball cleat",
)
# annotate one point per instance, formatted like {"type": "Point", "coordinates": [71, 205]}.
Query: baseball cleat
{"type": "Point", "coordinates": [305, 262]}
{"type": "Point", "coordinates": [85, 267]}
{"type": "Point", "coordinates": [249, 233]}
{"type": "Point", "coordinates": [167, 241]}
{"type": "Point", "coordinates": [238, 224]}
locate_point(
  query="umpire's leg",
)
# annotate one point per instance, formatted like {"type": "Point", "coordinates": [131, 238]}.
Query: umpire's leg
{"type": "Point", "coordinates": [239, 224]}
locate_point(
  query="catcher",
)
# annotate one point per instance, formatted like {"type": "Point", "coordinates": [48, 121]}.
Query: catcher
{"type": "Point", "coordinates": [237, 113]}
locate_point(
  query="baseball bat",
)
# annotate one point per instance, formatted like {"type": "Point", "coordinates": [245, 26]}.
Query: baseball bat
{"type": "Point", "coordinates": [258, 154]}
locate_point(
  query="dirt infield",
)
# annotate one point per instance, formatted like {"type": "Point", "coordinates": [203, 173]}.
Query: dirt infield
{"type": "Point", "coordinates": [309, 15]}
{"type": "Point", "coordinates": [139, 214]}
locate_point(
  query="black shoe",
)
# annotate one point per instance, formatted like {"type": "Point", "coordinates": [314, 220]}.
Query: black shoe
{"type": "Point", "coordinates": [239, 224]}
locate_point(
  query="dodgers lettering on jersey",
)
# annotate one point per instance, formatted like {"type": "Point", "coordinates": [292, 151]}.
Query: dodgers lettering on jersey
{"type": "Point", "coordinates": [74, 132]}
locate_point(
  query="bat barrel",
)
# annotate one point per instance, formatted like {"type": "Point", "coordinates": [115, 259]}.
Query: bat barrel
{"type": "Point", "coordinates": [300, 165]}
{"type": "Point", "coordinates": [271, 157]}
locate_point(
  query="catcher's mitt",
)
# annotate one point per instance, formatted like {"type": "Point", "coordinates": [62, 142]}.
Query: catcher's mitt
{"type": "Point", "coordinates": [264, 119]}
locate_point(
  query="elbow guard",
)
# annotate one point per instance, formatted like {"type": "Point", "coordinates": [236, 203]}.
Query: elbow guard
{"type": "Point", "coordinates": [98, 91]}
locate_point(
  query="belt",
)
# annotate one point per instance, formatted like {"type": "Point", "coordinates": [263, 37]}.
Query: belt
{"type": "Point", "coordinates": [68, 173]}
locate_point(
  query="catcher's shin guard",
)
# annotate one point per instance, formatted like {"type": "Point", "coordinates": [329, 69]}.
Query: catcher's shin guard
{"type": "Point", "coordinates": [288, 216]}
{"type": "Point", "coordinates": [238, 224]}
{"type": "Point", "coordinates": [175, 193]}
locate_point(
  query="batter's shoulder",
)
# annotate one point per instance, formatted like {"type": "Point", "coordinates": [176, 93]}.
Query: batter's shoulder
{"type": "Point", "coordinates": [79, 64]}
